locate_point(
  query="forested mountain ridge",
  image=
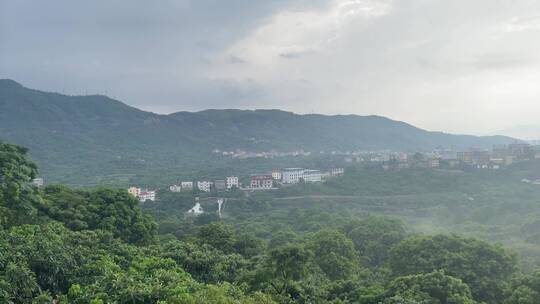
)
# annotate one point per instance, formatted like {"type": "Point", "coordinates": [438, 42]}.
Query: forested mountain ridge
{"type": "Point", "coordinates": [100, 136]}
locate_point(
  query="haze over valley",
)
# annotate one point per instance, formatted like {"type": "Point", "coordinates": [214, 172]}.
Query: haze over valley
{"type": "Point", "coordinates": [269, 152]}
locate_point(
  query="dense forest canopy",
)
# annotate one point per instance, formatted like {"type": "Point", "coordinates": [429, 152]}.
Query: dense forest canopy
{"type": "Point", "coordinates": [101, 246]}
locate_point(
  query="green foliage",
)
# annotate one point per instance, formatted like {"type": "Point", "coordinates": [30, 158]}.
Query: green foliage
{"type": "Point", "coordinates": [98, 246]}
{"type": "Point", "coordinates": [334, 253]}
{"type": "Point", "coordinates": [432, 288]}
{"type": "Point", "coordinates": [17, 196]}
{"type": "Point", "coordinates": [205, 263]}
{"type": "Point", "coordinates": [484, 267]}
{"type": "Point", "coordinates": [524, 289]}
{"type": "Point", "coordinates": [374, 237]}
{"type": "Point", "coordinates": [217, 235]}
{"type": "Point", "coordinates": [106, 209]}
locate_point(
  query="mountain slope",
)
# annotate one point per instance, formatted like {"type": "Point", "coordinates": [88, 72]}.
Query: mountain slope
{"type": "Point", "coordinates": [101, 138]}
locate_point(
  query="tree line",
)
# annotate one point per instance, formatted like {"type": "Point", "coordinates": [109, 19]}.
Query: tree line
{"type": "Point", "coordinates": [62, 245]}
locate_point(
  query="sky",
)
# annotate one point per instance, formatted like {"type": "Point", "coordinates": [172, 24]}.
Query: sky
{"type": "Point", "coordinates": [457, 66]}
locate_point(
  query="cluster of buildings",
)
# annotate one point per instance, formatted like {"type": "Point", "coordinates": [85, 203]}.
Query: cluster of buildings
{"type": "Point", "coordinates": [241, 154]}
{"type": "Point", "coordinates": [500, 156]}
{"type": "Point", "coordinates": [142, 195]}
{"type": "Point", "coordinates": [289, 176]}
{"type": "Point", "coordinates": [231, 182]}
{"type": "Point", "coordinates": [261, 181]}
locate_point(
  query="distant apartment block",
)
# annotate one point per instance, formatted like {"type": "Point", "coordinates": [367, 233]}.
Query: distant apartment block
{"type": "Point", "coordinates": [175, 188]}
{"type": "Point", "coordinates": [147, 195]}
{"type": "Point", "coordinates": [434, 163]}
{"type": "Point", "coordinates": [142, 195]}
{"type": "Point", "coordinates": [292, 175]}
{"type": "Point", "coordinates": [276, 175]}
{"type": "Point", "coordinates": [337, 171]}
{"type": "Point", "coordinates": [312, 176]}
{"type": "Point", "coordinates": [186, 186]}
{"type": "Point", "coordinates": [232, 182]}
{"type": "Point", "coordinates": [263, 181]}
{"type": "Point", "coordinates": [204, 186]}
{"type": "Point", "coordinates": [295, 175]}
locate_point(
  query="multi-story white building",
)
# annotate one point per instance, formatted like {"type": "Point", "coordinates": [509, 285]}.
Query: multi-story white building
{"type": "Point", "coordinates": [337, 171]}
{"type": "Point", "coordinates": [292, 175]}
{"type": "Point", "coordinates": [312, 176]}
{"type": "Point", "coordinates": [134, 191]}
{"type": "Point", "coordinates": [262, 182]}
{"type": "Point", "coordinates": [232, 181]}
{"type": "Point", "coordinates": [295, 175]}
{"type": "Point", "coordinates": [186, 186]}
{"type": "Point", "coordinates": [205, 186]}
{"type": "Point", "coordinates": [175, 188]}
{"type": "Point", "coordinates": [276, 175]}
{"type": "Point", "coordinates": [147, 195]}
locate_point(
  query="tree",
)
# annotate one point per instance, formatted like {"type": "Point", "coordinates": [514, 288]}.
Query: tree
{"type": "Point", "coordinates": [17, 197]}
{"type": "Point", "coordinates": [217, 235]}
{"type": "Point", "coordinates": [282, 269]}
{"type": "Point", "coordinates": [334, 253]}
{"type": "Point", "coordinates": [432, 288]}
{"type": "Point", "coordinates": [106, 209]}
{"type": "Point", "coordinates": [524, 289]}
{"type": "Point", "coordinates": [373, 238]}
{"type": "Point", "coordinates": [482, 266]}
{"type": "Point", "coordinates": [204, 262]}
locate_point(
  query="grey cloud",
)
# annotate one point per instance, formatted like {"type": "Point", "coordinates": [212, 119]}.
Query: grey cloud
{"type": "Point", "coordinates": [459, 66]}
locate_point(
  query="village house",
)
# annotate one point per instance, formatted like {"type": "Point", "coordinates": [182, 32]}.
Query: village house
{"type": "Point", "coordinates": [263, 181]}
{"type": "Point", "coordinates": [232, 182]}
{"type": "Point", "coordinates": [337, 171]}
{"type": "Point", "coordinates": [175, 188]}
{"type": "Point", "coordinates": [186, 186]}
{"type": "Point", "coordinates": [276, 175]}
{"type": "Point", "coordinates": [292, 175]}
{"type": "Point", "coordinates": [204, 186]}
{"type": "Point", "coordinates": [147, 195]}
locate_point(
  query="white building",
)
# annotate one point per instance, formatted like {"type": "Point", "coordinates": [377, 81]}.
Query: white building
{"type": "Point", "coordinates": [134, 191]}
{"type": "Point", "coordinates": [337, 171]}
{"type": "Point", "coordinates": [232, 181]}
{"type": "Point", "coordinates": [175, 188]}
{"type": "Point", "coordinates": [276, 175]}
{"type": "Point", "coordinates": [292, 175]}
{"type": "Point", "coordinates": [147, 195]}
{"type": "Point", "coordinates": [205, 186]}
{"type": "Point", "coordinates": [261, 181]}
{"type": "Point", "coordinates": [295, 175]}
{"type": "Point", "coordinates": [38, 182]}
{"type": "Point", "coordinates": [196, 210]}
{"type": "Point", "coordinates": [312, 176]}
{"type": "Point", "coordinates": [186, 186]}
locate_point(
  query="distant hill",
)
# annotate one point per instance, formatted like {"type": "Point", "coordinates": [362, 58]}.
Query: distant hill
{"type": "Point", "coordinates": [95, 136]}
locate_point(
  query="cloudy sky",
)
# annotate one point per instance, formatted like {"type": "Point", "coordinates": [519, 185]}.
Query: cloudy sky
{"type": "Point", "coordinates": [452, 65]}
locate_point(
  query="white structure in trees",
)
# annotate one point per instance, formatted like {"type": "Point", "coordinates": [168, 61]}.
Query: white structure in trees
{"type": "Point", "coordinates": [232, 181]}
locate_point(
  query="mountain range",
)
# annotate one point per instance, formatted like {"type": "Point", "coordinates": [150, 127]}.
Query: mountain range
{"type": "Point", "coordinates": [71, 136]}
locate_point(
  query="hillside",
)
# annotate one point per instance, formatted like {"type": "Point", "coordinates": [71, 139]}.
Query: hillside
{"type": "Point", "coordinates": [78, 137]}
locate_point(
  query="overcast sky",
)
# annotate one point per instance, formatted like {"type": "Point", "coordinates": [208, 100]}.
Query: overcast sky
{"type": "Point", "coordinates": [462, 66]}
